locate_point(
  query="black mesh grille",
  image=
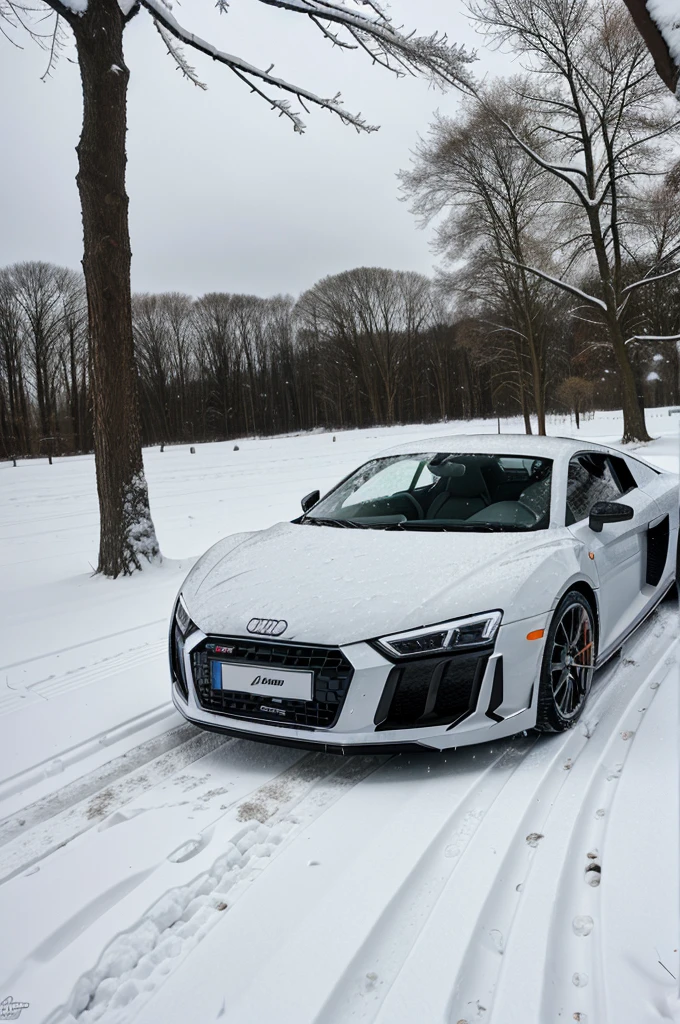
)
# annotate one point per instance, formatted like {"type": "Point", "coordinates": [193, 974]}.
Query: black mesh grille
{"type": "Point", "coordinates": [432, 691]}
{"type": "Point", "coordinates": [332, 676]}
{"type": "Point", "coordinates": [657, 552]}
{"type": "Point", "coordinates": [177, 661]}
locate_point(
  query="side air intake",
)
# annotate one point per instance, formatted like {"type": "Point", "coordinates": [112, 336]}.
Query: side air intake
{"type": "Point", "coordinates": [657, 551]}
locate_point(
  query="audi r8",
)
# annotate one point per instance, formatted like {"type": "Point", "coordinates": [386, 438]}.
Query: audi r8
{"type": "Point", "coordinates": [447, 592]}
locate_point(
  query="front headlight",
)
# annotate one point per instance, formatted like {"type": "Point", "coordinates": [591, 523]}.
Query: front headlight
{"type": "Point", "coordinates": [459, 634]}
{"type": "Point", "coordinates": [183, 619]}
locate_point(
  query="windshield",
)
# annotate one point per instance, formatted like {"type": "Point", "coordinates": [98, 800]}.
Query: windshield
{"type": "Point", "coordinates": [442, 491]}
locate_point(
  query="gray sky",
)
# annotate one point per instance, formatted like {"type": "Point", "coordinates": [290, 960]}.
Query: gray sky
{"type": "Point", "coordinates": [224, 196]}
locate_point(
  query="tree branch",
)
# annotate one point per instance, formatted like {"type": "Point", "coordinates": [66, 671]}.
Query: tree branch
{"type": "Point", "coordinates": [658, 46]}
{"type": "Point", "coordinates": [649, 280]}
{"type": "Point", "coordinates": [65, 12]}
{"type": "Point", "coordinates": [653, 337]}
{"type": "Point", "coordinates": [247, 72]}
{"type": "Point", "coordinates": [590, 299]}
{"type": "Point", "coordinates": [178, 57]}
{"type": "Point", "coordinates": [432, 55]}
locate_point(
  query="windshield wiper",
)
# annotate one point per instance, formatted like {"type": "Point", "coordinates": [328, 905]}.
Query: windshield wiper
{"type": "Point", "coordinates": [433, 525]}
{"type": "Point", "coordinates": [342, 523]}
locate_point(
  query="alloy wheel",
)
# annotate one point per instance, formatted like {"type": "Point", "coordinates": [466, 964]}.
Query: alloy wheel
{"type": "Point", "coordinates": [572, 660]}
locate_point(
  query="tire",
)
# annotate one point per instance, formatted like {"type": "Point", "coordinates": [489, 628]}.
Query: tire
{"type": "Point", "coordinates": [564, 684]}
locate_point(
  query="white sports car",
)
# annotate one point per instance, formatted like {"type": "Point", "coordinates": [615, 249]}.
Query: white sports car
{"type": "Point", "coordinates": [447, 592]}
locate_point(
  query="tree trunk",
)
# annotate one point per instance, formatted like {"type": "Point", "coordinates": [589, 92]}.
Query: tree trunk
{"type": "Point", "coordinates": [634, 427]}
{"type": "Point", "coordinates": [126, 528]}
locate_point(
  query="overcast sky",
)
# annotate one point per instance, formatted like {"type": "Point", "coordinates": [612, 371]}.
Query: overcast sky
{"type": "Point", "coordinates": [224, 196]}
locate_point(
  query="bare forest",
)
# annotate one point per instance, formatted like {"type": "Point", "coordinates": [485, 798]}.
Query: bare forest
{"type": "Point", "coordinates": [369, 346]}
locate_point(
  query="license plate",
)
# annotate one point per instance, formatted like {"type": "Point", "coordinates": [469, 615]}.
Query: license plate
{"type": "Point", "coordinates": [270, 682]}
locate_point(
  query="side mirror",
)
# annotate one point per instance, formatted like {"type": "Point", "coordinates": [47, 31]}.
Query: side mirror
{"type": "Point", "coordinates": [310, 500]}
{"type": "Point", "coordinates": [608, 512]}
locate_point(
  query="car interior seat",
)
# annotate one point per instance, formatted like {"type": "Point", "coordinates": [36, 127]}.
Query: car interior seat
{"type": "Point", "coordinates": [463, 495]}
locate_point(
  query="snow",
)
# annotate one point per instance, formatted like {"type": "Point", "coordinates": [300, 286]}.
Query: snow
{"type": "Point", "coordinates": [666, 14]}
{"type": "Point", "coordinates": [156, 873]}
{"type": "Point", "coordinates": [77, 6]}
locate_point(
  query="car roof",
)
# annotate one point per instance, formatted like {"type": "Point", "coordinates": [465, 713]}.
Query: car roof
{"type": "Point", "coordinates": [529, 445]}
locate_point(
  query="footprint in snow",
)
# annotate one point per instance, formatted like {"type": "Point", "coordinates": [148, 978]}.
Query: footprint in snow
{"type": "Point", "coordinates": [593, 869]}
{"type": "Point", "coordinates": [534, 838]}
{"type": "Point", "coordinates": [582, 924]}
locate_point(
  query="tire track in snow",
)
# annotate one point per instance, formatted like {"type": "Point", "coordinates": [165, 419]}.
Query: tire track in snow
{"type": "Point", "coordinates": [83, 643]}
{"type": "Point", "coordinates": [26, 847]}
{"type": "Point", "coordinates": [576, 934]}
{"type": "Point", "coordinates": [530, 941]}
{"type": "Point", "coordinates": [472, 838]}
{"type": "Point", "coordinates": [392, 935]}
{"type": "Point", "coordinates": [138, 960]}
{"type": "Point", "coordinates": [94, 782]}
{"type": "Point", "coordinates": [439, 971]}
{"type": "Point", "coordinates": [72, 755]}
{"type": "Point", "coordinates": [74, 679]}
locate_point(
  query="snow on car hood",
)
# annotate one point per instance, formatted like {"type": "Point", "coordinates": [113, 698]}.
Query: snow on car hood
{"type": "Point", "coordinates": [338, 586]}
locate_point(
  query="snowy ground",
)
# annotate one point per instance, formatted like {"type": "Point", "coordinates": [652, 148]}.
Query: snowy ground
{"type": "Point", "coordinates": [154, 873]}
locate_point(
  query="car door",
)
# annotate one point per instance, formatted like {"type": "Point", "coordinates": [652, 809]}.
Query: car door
{"type": "Point", "coordinates": [662, 537]}
{"type": "Point", "coordinates": [620, 550]}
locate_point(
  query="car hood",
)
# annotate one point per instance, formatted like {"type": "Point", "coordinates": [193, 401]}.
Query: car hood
{"type": "Point", "coordinates": [338, 586]}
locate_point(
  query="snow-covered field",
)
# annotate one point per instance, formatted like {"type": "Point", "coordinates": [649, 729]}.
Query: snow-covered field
{"type": "Point", "coordinates": [152, 873]}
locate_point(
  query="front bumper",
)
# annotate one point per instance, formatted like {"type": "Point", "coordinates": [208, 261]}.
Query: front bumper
{"type": "Point", "coordinates": [502, 701]}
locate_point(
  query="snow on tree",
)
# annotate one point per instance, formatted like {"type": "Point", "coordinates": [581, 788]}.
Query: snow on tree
{"type": "Point", "coordinates": [594, 91]}
{"type": "Point", "coordinates": [127, 533]}
{"type": "Point", "coordinates": [658, 22]}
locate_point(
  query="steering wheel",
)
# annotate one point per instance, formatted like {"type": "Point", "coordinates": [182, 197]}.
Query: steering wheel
{"type": "Point", "coordinates": [416, 504]}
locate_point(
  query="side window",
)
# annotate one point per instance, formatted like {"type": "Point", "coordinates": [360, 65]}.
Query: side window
{"type": "Point", "coordinates": [623, 474]}
{"type": "Point", "coordinates": [590, 479]}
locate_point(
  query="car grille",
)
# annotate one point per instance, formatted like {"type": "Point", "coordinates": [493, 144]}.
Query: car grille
{"type": "Point", "coordinates": [332, 676]}
{"type": "Point", "coordinates": [432, 691]}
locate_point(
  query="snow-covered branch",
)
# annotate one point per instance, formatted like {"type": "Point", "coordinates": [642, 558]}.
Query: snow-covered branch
{"type": "Point", "coordinates": [252, 75]}
{"type": "Point", "coordinates": [177, 55]}
{"type": "Point", "coordinates": [433, 56]}
{"type": "Point", "coordinates": [590, 299]}
{"type": "Point", "coordinates": [658, 24]}
{"type": "Point", "coordinates": [649, 280]}
{"type": "Point", "coordinates": [653, 337]}
{"type": "Point", "coordinates": [560, 171]}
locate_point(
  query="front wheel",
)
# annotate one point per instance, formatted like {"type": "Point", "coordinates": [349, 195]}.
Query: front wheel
{"type": "Point", "coordinates": [568, 664]}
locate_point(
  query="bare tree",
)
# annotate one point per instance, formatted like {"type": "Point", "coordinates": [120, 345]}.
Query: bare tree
{"type": "Point", "coordinates": [126, 529]}
{"type": "Point", "coordinates": [14, 405]}
{"type": "Point", "coordinates": [603, 106]}
{"type": "Point", "coordinates": [577, 394]}
{"type": "Point", "coordinates": [372, 318]}
{"type": "Point", "coordinates": [497, 219]}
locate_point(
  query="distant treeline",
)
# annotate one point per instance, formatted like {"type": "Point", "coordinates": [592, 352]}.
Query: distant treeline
{"type": "Point", "coordinates": [362, 348]}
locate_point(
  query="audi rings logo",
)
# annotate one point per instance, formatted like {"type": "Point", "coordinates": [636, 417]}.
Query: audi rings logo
{"type": "Point", "coordinates": [267, 627]}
